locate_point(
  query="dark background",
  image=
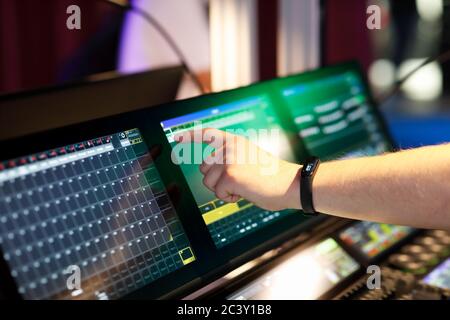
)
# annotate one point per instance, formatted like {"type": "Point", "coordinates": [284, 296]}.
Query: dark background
{"type": "Point", "coordinates": [37, 50]}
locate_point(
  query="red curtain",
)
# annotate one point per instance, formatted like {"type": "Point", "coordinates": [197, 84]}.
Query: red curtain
{"type": "Point", "coordinates": [35, 42]}
{"type": "Point", "coordinates": [346, 34]}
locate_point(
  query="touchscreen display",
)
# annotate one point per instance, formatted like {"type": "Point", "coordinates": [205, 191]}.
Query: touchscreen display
{"type": "Point", "coordinates": [90, 220]}
{"type": "Point", "coordinates": [372, 239]}
{"type": "Point", "coordinates": [228, 222]}
{"type": "Point", "coordinates": [440, 276]}
{"type": "Point", "coordinates": [306, 275]}
{"type": "Point", "coordinates": [334, 116]}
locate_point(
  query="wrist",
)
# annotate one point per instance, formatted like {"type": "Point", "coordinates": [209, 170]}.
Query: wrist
{"type": "Point", "coordinates": [292, 200]}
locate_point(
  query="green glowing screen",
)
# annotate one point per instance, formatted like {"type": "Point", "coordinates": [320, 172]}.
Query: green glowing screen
{"type": "Point", "coordinates": [327, 113]}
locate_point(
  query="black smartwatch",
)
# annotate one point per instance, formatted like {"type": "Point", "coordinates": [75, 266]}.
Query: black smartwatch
{"type": "Point", "coordinates": [308, 172]}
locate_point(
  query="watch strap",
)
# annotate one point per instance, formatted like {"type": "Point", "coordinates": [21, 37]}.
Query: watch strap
{"type": "Point", "coordinates": [308, 172]}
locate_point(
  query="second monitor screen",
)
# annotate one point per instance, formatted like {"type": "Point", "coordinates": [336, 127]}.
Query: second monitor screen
{"type": "Point", "coordinates": [228, 222]}
{"type": "Point", "coordinates": [334, 116]}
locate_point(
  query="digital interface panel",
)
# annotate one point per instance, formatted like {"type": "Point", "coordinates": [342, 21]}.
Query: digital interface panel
{"type": "Point", "coordinates": [307, 275]}
{"type": "Point", "coordinates": [440, 276]}
{"type": "Point", "coordinates": [335, 120]}
{"type": "Point", "coordinates": [371, 239]}
{"type": "Point", "coordinates": [334, 117]}
{"type": "Point", "coordinates": [228, 222]}
{"type": "Point", "coordinates": [95, 209]}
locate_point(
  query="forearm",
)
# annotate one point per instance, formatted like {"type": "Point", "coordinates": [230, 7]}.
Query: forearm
{"type": "Point", "coordinates": [406, 188]}
{"type": "Point", "coordinates": [409, 188]}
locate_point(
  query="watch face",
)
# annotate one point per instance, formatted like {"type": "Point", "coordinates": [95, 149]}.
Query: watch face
{"type": "Point", "coordinates": [310, 167]}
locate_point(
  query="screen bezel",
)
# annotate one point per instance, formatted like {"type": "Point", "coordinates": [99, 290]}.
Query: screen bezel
{"type": "Point", "coordinates": [210, 263]}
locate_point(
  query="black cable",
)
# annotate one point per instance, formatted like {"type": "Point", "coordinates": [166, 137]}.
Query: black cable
{"type": "Point", "coordinates": [441, 58]}
{"type": "Point", "coordinates": [163, 32]}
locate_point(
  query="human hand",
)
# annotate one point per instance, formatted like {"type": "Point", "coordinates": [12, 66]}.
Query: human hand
{"type": "Point", "coordinates": [240, 169]}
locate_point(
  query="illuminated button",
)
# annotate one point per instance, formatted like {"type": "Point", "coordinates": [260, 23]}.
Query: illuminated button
{"type": "Point", "coordinates": [42, 156]}
{"type": "Point", "coordinates": [438, 233]}
{"type": "Point", "coordinates": [219, 203]}
{"type": "Point", "coordinates": [373, 252]}
{"type": "Point", "coordinates": [438, 249]}
{"type": "Point", "coordinates": [444, 240]}
{"type": "Point", "coordinates": [122, 136]}
{"type": "Point", "coordinates": [425, 241]}
{"type": "Point", "coordinates": [415, 268]}
{"type": "Point", "coordinates": [206, 208]}
{"type": "Point", "coordinates": [70, 149]}
{"type": "Point", "coordinates": [106, 140]}
{"type": "Point", "coordinates": [428, 259]}
{"type": "Point", "coordinates": [11, 164]}
{"type": "Point", "coordinates": [52, 154]}
{"type": "Point", "coordinates": [88, 144]}
{"type": "Point", "coordinates": [400, 260]}
{"type": "Point", "coordinates": [440, 236]}
{"type": "Point", "coordinates": [413, 249]}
